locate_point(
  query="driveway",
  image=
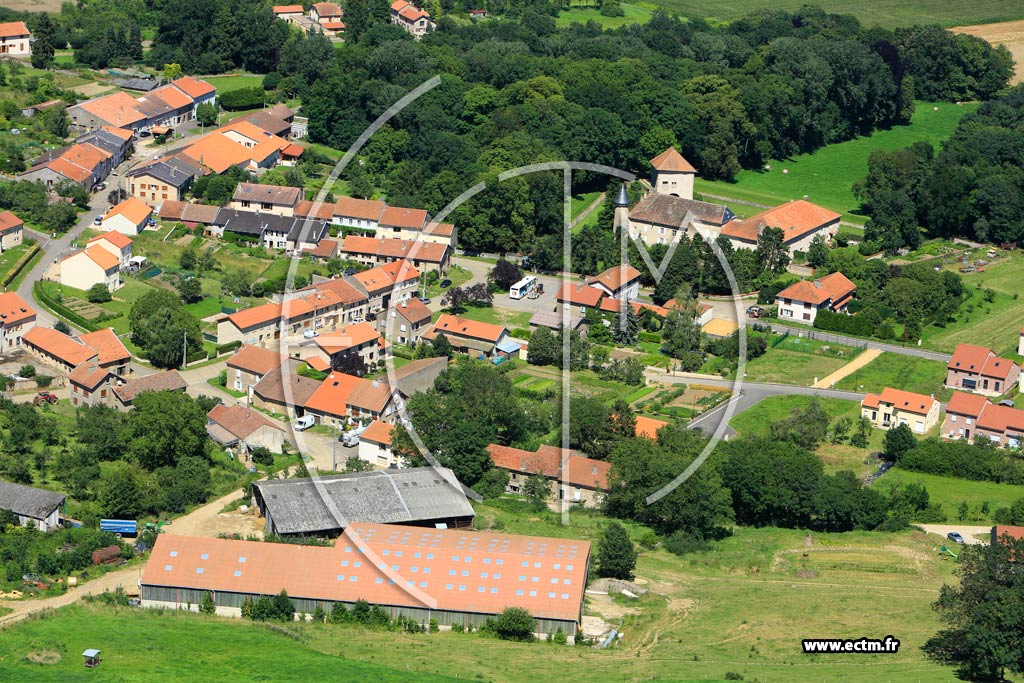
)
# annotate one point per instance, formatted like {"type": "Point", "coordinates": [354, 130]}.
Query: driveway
{"type": "Point", "coordinates": [968, 532]}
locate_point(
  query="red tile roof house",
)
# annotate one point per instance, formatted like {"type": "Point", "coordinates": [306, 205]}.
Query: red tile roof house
{"type": "Point", "coordinates": [15, 39]}
{"type": "Point", "coordinates": [263, 325]}
{"type": "Point", "coordinates": [978, 369]}
{"type": "Point", "coordinates": [969, 416]}
{"type": "Point", "coordinates": [364, 214]}
{"type": "Point", "coordinates": [619, 282]}
{"type": "Point", "coordinates": [360, 338]}
{"type": "Point", "coordinates": [574, 478]}
{"type": "Point", "coordinates": [411, 18]}
{"type": "Point", "coordinates": [325, 11]}
{"type": "Point", "coordinates": [375, 251]}
{"type": "Point", "coordinates": [375, 445]}
{"type": "Point", "coordinates": [402, 223]}
{"type": "Point", "coordinates": [800, 221]}
{"type": "Point", "coordinates": [577, 294]}
{"type": "Point", "coordinates": [249, 364]}
{"type": "Point", "coordinates": [118, 244]}
{"type": "Point", "coordinates": [468, 336]}
{"type": "Point", "coordinates": [243, 427]}
{"type": "Point", "coordinates": [895, 407]}
{"type": "Point", "coordinates": [16, 318]}
{"type": "Point", "coordinates": [93, 361]}
{"type": "Point", "coordinates": [407, 321]}
{"type": "Point", "coordinates": [287, 12]}
{"type": "Point", "coordinates": [1000, 531]}
{"type": "Point", "coordinates": [544, 576]}
{"type": "Point", "coordinates": [342, 399]}
{"type": "Point", "coordinates": [802, 300]}
{"type": "Point", "coordinates": [12, 229]}
{"type": "Point", "coordinates": [57, 349]}
{"type": "Point", "coordinates": [395, 281]}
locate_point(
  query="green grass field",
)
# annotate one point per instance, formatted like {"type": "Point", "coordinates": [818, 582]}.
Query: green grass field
{"type": "Point", "coordinates": [235, 82]}
{"type": "Point", "coordinates": [949, 492]}
{"type": "Point", "coordinates": [633, 14]}
{"type": "Point", "coordinates": [901, 372]}
{"type": "Point", "coordinates": [498, 316]}
{"type": "Point", "coordinates": [149, 646]}
{"type": "Point", "coordinates": [755, 420]}
{"type": "Point", "coordinates": [888, 13]}
{"type": "Point", "coordinates": [791, 367]}
{"type": "Point", "coordinates": [827, 176]}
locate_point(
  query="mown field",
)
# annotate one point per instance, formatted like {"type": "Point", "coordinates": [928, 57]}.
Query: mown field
{"type": "Point", "coordinates": [949, 492]}
{"type": "Point", "coordinates": [827, 176]}
{"type": "Point", "coordinates": [742, 607]}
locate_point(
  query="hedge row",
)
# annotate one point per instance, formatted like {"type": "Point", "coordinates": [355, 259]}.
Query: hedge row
{"type": "Point", "coordinates": [847, 324]}
{"type": "Point", "coordinates": [59, 309]}
{"type": "Point", "coordinates": [19, 266]}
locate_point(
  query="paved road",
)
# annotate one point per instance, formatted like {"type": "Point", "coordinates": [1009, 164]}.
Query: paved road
{"type": "Point", "coordinates": [854, 341]}
{"type": "Point", "coordinates": [968, 532]}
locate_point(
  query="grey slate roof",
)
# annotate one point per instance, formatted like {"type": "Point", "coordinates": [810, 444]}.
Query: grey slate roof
{"type": "Point", "coordinates": [417, 494]}
{"type": "Point", "coordinates": [104, 140]}
{"type": "Point", "coordinates": [252, 223]}
{"type": "Point", "coordinates": [171, 173]}
{"type": "Point", "coordinates": [672, 211]}
{"type": "Point", "coordinates": [29, 502]}
{"type": "Point", "coordinates": [419, 375]}
{"type": "Point", "coordinates": [622, 199]}
{"type": "Point", "coordinates": [143, 84]}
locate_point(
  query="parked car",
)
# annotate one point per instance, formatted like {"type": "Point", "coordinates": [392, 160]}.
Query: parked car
{"type": "Point", "coordinates": [755, 312]}
{"type": "Point", "coordinates": [144, 133]}
{"type": "Point", "coordinates": [98, 220]}
{"type": "Point", "coordinates": [303, 423]}
{"type": "Point", "coordinates": [371, 316]}
{"type": "Point", "coordinates": [424, 300]}
{"type": "Point", "coordinates": [955, 537]}
{"type": "Point", "coordinates": [309, 334]}
{"type": "Point", "coordinates": [44, 397]}
{"type": "Point", "coordinates": [446, 283]}
{"type": "Point", "coordinates": [101, 186]}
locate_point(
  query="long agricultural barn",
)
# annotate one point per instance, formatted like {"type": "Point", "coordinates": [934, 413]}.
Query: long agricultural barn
{"type": "Point", "coordinates": [452, 575]}
{"type": "Point", "coordinates": [421, 496]}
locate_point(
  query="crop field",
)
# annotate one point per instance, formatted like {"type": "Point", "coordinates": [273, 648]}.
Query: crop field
{"type": "Point", "coordinates": [888, 13]}
{"type": "Point", "coordinates": [827, 176]}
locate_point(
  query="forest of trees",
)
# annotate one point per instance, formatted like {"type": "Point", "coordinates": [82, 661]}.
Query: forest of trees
{"type": "Point", "coordinates": [973, 187]}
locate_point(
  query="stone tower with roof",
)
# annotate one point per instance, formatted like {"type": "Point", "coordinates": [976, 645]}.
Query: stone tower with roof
{"type": "Point", "coordinates": [672, 174]}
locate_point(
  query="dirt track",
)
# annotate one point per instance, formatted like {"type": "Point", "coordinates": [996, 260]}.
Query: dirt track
{"type": "Point", "coordinates": [1008, 33]}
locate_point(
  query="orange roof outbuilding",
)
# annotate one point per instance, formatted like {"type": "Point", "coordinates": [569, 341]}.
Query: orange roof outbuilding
{"type": "Point", "coordinates": [673, 161]}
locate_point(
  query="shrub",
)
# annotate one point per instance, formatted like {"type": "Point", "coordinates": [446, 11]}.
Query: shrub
{"type": "Point", "coordinates": [242, 98]}
{"type": "Point", "coordinates": [98, 294]}
{"type": "Point", "coordinates": [261, 455]}
{"type": "Point", "coordinates": [514, 623]}
{"type": "Point", "coordinates": [682, 542]}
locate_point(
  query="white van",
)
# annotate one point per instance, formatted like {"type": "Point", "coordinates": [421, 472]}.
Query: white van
{"type": "Point", "coordinates": [304, 423]}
